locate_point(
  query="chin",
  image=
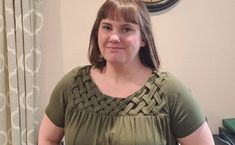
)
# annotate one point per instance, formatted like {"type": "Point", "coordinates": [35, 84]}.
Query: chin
{"type": "Point", "coordinates": [117, 63]}
{"type": "Point", "coordinates": [115, 60]}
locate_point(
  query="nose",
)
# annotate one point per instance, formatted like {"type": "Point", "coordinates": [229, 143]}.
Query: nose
{"type": "Point", "coordinates": [114, 37]}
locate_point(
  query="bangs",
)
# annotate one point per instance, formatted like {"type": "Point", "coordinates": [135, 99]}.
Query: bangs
{"type": "Point", "coordinates": [116, 10]}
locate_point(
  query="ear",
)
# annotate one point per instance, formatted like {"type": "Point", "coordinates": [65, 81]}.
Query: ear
{"type": "Point", "coordinates": [142, 43]}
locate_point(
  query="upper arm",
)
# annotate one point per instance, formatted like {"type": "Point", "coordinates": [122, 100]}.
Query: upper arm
{"type": "Point", "coordinates": [201, 136]}
{"type": "Point", "coordinates": [185, 113]}
{"type": "Point", "coordinates": [188, 121]}
{"type": "Point", "coordinates": [49, 133]}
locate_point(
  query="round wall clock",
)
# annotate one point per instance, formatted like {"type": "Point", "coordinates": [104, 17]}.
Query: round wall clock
{"type": "Point", "coordinates": [158, 5]}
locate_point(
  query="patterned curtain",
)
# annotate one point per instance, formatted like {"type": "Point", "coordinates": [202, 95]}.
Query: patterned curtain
{"type": "Point", "coordinates": [20, 26]}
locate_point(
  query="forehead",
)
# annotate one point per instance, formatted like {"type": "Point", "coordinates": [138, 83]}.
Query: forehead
{"type": "Point", "coordinates": [127, 14]}
{"type": "Point", "coordinates": [119, 22]}
{"type": "Point", "coordinates": [121, 16]}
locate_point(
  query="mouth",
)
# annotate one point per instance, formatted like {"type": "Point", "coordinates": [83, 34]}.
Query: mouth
{"type": "Point", "coordinates": [114, 47]}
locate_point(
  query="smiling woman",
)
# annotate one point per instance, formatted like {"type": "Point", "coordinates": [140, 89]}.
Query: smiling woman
{"type": "Point", "coordinates": [158, 5]}
{"type": "Point", "coordinates": [122, 97]}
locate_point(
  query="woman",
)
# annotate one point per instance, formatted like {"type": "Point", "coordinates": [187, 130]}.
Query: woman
{"type": "Point", "coordinates": [122, 98]}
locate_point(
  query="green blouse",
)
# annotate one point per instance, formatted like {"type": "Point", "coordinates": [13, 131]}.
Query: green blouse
{"type": "Point", "coordinates": [157, 114]}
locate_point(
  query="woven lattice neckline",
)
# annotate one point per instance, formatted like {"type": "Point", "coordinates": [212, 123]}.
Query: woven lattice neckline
{"type": "Point", "coordinates": [129, 97]}
{"type": "Point", "coordinates": [146, 101]}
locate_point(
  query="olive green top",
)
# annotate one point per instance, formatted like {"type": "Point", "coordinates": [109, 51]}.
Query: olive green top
{"type": "Point", "coordinates": [161, 111]}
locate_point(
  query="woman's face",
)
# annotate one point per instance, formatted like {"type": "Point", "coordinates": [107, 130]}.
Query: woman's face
{"type": "Point", "coordinates": [119, 41]}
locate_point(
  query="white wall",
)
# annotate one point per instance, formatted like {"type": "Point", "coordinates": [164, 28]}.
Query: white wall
{"type": "Point", "coordinates": [195, 39]}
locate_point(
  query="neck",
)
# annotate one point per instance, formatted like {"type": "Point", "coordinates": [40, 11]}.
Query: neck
{"type": "Point", "coordinates": [126, 72]}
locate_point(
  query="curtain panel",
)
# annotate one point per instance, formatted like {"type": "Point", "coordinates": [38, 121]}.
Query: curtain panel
{"type": "Point", "coordinates": [20, 26]}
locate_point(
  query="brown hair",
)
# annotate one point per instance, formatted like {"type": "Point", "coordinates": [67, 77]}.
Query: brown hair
{"type": "Point", "coordinates": [133, 11]}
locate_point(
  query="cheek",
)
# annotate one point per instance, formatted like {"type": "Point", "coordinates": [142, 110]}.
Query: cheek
{"type": "Point", "coordinates": [101, 40]}
{"type": "Point", "coordinates": [135, 42]}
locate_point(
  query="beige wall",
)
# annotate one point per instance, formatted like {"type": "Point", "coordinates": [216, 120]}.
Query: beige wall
{"type": "Point", "coordinates": [195, 39]}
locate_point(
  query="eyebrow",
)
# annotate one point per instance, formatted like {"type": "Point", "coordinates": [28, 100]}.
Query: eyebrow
{"type": "Point", "coordinates": [105, 23]}
{"type": "Point", "coordinates": [123, 25]}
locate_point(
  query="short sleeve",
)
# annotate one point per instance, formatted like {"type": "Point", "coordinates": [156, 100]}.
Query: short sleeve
{"type": "Point", "coordinates": [185, 113]}
{"type": "Point", "coordinates": [56, 107]}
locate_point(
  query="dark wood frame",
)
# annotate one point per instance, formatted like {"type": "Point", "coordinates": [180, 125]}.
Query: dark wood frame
{"type": "Point", "coordinates": [160, 5]}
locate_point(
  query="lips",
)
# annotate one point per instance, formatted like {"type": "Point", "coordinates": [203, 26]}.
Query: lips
{"type": "Point", "coordinates": [114, 47]}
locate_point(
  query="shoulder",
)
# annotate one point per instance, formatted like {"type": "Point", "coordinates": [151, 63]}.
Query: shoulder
{"type": "Point", "coordinates": [67, 81]}
{"type": "Point", "coordinates": [79, 70]}
{"type": "Point", "coordinates": [173, 89]}
{"type": "Point", "coordinates": [170, 83]}
{"type": "Point", "coordinates": [167, 80]}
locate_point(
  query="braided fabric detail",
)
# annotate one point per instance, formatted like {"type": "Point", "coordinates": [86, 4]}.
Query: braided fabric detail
{"type": "Point", "coordinates": [147, 101]}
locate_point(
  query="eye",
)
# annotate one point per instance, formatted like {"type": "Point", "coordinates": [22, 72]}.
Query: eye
{"type": "Point", "coordinates": [126, 29]}
{"type": "Point", "coordinates": [106, 27]}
